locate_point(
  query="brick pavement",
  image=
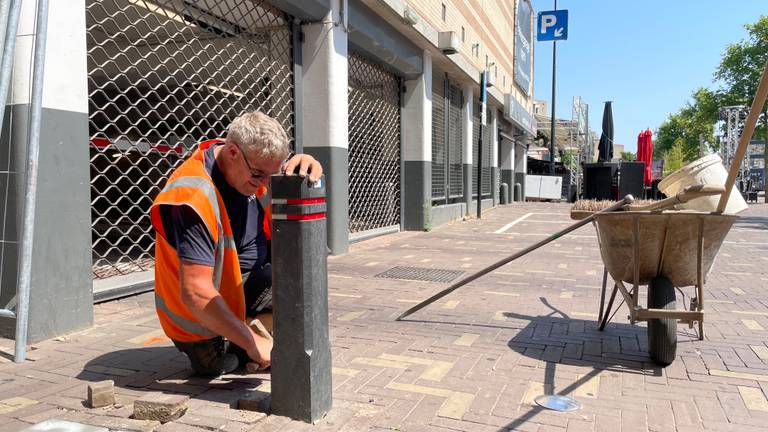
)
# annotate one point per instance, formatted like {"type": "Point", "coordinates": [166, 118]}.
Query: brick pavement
{"type": "Point", "coordinates": [473, 361]}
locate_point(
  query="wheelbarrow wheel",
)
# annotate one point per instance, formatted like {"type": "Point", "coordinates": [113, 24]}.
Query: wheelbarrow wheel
{"type": "Point", "coordinates": [662, 333]}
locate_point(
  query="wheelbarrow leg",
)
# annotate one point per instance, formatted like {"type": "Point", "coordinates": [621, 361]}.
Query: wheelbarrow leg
{"type": "Point", "coordinates": [607, 313]}
{"type": "Point", "coordinates": [602, 295]}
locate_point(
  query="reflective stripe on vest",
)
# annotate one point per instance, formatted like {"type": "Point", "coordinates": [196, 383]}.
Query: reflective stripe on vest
{"type": "Point", "coordinates": [224, 241]}
{"type": "Point", "coordinates": [187, 325]}
{"type": "Point", "coordinates": [203, 185]}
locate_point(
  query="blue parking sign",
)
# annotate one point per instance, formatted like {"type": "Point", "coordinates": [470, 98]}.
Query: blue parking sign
{"type": "Point", "coordinates": [552, 25]}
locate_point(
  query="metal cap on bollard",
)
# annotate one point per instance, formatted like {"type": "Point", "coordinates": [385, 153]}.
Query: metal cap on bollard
{"type": "Point", "coordinates": [301, 357]}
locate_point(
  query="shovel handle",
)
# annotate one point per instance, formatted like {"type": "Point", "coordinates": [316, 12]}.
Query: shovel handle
{"type": "Point", "coordinates": [687, 194]}
{"type": "Point", "coordinates": [698, 191]}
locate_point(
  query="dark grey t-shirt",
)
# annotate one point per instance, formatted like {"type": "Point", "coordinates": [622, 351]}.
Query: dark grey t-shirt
{"type": "Point", "coordinates": [188, 234]}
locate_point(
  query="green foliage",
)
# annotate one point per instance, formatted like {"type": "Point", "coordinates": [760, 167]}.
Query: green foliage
{"type": "Point", "coordinates": [689, 126]}
{"type": "Point", "coordinates": [674, 159]}
{"type": "Point", "coordinates": [738, 75]}
{"type": "Point", "coordinates": [569, 158]}
{"type": "Point", "coordinates": [627, 156]}
{"type": "Point", "coordinates": [742, 63]}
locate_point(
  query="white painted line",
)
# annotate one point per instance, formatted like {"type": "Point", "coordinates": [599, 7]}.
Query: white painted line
{"type": "Point", "coordinates": [511, 224]}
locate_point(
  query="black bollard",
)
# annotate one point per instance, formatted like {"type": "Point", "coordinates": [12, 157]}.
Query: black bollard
{"type": "Point", "coordinates": [301, 357]}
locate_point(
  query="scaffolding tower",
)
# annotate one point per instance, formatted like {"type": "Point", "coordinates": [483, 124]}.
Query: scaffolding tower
{"type": "Point", "coordinates": [734, 118]}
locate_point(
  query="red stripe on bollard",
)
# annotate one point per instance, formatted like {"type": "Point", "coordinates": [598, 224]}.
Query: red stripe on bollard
{"type": "Point", "coordinates": [299, 217]}
{"type": "Point", "coordinates": [305, 201]}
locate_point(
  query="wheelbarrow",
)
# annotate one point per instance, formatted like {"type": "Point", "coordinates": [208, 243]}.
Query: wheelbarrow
{"type": "Point", "coordinates": [663, 250]}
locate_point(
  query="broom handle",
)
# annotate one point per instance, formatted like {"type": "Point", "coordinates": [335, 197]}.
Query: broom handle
{"type": "Point", "coordinates": [619, 205]}
{"type": "Point", "coordinates": [746, 135]}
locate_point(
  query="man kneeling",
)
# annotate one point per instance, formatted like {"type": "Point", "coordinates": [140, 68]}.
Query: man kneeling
{"type": "Point", "coordinates": [212, 244]}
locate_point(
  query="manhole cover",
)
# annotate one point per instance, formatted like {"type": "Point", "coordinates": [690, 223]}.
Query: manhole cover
{"type": "Point", "coordinates": [421, 274]}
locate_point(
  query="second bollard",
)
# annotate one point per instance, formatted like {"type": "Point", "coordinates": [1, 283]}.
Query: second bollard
{"type": "Point", "coordinates": [301, 357]}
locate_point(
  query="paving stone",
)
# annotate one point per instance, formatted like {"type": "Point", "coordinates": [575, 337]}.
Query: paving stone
{"type": "Point", "coordinates": [160, 407]}
{"type": "Point", "coordinates": [101, 394]}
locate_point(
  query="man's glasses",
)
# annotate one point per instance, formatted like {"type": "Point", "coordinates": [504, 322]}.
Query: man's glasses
{"type": "Point", "coordinates": [257, 175]}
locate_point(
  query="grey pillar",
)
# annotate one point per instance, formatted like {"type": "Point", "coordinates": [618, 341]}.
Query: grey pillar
{"type": "Point", "coordinates": [521, 167]}
{"type": "Point", "coordinates": [301, 357]}
{"type": "Point", "coordinates": [61, 298]}
{"type": "Point", "coordinates": [324, 116]}
{"type": "Point", "coordinates": [506, 162]}
{"type": "Point", "coordinates": [417, 150]}
{"type": "Point", "coordinates": [493, 124]}
{"type": "Point", "coordinates": [467, 142]}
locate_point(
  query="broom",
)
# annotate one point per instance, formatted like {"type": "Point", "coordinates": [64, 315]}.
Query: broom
{"type": "Point", "coordinates": [584, 208]}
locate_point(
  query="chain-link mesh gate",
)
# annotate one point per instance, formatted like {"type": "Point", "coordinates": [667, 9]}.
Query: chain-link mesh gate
{"type": "Point", "coordinates": [163, 76]}
{"type": "Point", "coordinates": [374, 146]}
{"type": "Point", "coordinates": [447, 139]}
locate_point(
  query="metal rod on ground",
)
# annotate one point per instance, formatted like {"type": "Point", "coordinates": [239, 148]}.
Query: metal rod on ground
{"type": "Point", "coordinates": [746, 135]}
{"type": "Point", "coordinates": [33, 151]}
{"type": "Point", "coordinates": [626, 201]}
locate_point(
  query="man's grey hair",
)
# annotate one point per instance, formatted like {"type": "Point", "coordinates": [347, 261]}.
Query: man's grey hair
{"type": "Point", "coordinates": [259, 135]}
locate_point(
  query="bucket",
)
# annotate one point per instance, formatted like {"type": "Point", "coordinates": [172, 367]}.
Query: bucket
{"type": "Point", "coordinates": [708, 170]}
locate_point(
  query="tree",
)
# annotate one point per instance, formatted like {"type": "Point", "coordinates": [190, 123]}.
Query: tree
{"type": "Point", "coordinates": [740, 70]}
{"type": "Point", "coordinates": [627, 156]}
{"type": "Point", "coordinates": [691, 125]}
{"type": "Point", "coordinates": [674, 158]}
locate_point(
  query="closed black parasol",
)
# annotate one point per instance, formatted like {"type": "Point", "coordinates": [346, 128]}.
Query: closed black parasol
{"type": "Point", "coordinates": [605, 148]}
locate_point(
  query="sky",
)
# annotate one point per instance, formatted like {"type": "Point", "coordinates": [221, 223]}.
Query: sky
{"type": "Point", "coordinates": [646, 56]}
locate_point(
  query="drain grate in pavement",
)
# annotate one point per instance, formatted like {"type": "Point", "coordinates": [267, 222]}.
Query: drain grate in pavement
{"type": "Point", "coordinates": [420, 274]}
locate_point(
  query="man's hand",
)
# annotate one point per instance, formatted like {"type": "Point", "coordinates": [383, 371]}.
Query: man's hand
{"type": "Point", "coordinates": [305, 164]}
{"type": "Point", "coordinates": [261, 351]}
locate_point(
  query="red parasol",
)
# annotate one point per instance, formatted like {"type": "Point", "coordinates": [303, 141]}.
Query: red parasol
{"type": "Point", "coordinates": [645, 153]}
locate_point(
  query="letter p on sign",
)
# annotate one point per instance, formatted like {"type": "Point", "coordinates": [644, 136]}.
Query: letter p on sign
{"type": "Point", "coordinates": [547, 21]}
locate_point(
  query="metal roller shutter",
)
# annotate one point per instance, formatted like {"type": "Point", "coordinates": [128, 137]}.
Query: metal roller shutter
{"type": "Point", "coordinates": [439, 149]}
{"type": "Point", "coordinates": [162, 77]}
{"type": "Point", "coordinates": [374, 146]}
{"type": "Point", "coordinates": [456, 146]}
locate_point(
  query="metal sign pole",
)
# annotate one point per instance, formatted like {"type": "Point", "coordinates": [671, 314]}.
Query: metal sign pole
{"type": "Point", "coordinates": [552, 127]}
{"type": "Point", "coordinates": [483, 97]}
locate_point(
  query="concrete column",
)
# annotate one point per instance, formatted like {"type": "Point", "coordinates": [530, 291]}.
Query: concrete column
{"type": "Point", "coordinates": [467, 142]}
{"type": "Point", "coordinates": [324, 116]}
{"type": "Point", "coordinates": [61, 297]}
{"type": "Point", "coordinates": [521, 166]}
{"type": "Point", "coordinates": [417, 149]}
{"type": "Point", "coordinates": [507, 164]}
{"type": "Point", "coordinates": [493, 124]}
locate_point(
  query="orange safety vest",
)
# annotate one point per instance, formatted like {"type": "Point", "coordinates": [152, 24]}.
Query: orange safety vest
{"type": "Point", "coordinates": [190, 184]}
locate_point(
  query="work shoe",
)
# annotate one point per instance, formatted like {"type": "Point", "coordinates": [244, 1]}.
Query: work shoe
{"type": "Point", "coordinates": [209, 357]}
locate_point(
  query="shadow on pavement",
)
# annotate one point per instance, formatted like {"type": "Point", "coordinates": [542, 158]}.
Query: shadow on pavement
{"type": "Point", "coordinates": [558, 339]}
{"type": "Point", "coordinates": [164, 369]}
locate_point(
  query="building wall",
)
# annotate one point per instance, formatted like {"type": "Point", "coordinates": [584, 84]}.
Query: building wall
{"type": "Point", "coordinates": [487, 23]}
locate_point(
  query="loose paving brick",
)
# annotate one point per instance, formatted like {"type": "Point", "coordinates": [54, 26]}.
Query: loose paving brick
{"type": "Point", "coordinates": [101, 394]}
{"type": "Point", "coordinates": [160, 407]}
